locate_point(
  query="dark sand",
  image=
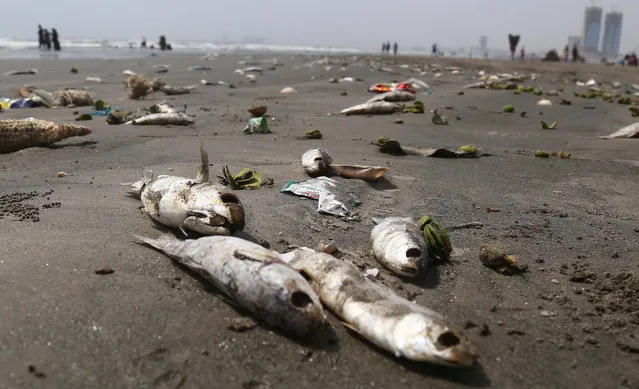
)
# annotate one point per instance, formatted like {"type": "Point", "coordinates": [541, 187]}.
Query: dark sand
{"type": "Point", "coordinates": [150, 324]}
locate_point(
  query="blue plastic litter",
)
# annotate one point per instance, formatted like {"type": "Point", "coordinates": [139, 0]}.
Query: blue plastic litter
{"type": "Point", "coordinates": [24, 103]}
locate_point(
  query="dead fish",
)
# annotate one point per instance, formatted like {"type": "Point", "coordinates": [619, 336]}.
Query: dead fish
{"type": "Point", "coordinates": [138, 86]}
{"type": "Point", "coordinates": [170, 118]}
{"type": "Point", "coordinates": [379, 315]}
{"type": "Point", "coordinates": [631, 131]}
{"type": "Point", "coordinates": [177, 90]}
{"type": "Point", "coordinates": [195, 205]}
{"type": "Point", "coordinates": [398, 245]}
{"type": "Point", "coordinates": [251, 276]}
{"type": "Point", "coordinates": [318, 162]}
{"type": "Point", "coordinates": [19, 134]}
{"type": "Point", "coordinates": [393, 96]}
{"type": "Point", "coordinates": [79, 98]}
{"type": "Point", "coordinates": [21, 72]}
{"type": "Point", "coordinates": [253, 69]}
{"type": "Point", "coordinates": [374, 108]}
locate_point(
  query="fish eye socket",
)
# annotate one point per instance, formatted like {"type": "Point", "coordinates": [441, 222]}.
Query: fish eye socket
{"type": "Point", "coordinates": [413, 253]}
{"type": "Point", "coordinates": [300, 299]}
{"type": "Point", "coordinates": [446, 340]}
{"type": "Point", "coordinates": [229, 198]}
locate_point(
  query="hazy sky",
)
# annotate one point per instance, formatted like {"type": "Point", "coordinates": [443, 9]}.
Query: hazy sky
{"type": "Point", "coordinates": [542, 24]}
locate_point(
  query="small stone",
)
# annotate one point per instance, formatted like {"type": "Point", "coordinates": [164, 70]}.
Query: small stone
{"type": "Point", "coordinates": [61, 174]}
{"type": "Point", "coordinates": [554, 281]}
{"type": "Point", "coordinates": [547, 313]}
{"type": "Point", "coordinates": [104, 271]}
{"type": "Point", "coordinates": [242, 324]}
{"type": "Point", "coordinates": [485, 330]}
{"type": "Point", "coordinates": [615, 255]}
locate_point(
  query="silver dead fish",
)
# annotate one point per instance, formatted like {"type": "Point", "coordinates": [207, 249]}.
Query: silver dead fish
{"type": "Point", "coordinates": [251, 276]}
{"type": "Point", "coordinates": [631, 131]}
{"type": "Point", "coordinates": [195, 205]}
{"type": "Point", "coordinates": [398, 245]}
{"type": "Point", "coordinates": [372, 108]}
{"type": "Point", "coordinates": [177, 90]}
{"type": "Point", "coordinates": [379, 315]}
{"type": "Point", "coordinates": [393, 96]}
{"type": "Point", "coordinates": [19, 134]}
{"type": "Point", "coordinates": [318, 162]}
{"type": "Point", "coordinates": [170, 118]}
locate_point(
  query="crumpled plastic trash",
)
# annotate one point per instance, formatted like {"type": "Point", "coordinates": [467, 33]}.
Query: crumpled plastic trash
{"type": "Point", "coordinates": [417, 107]}
{"type": "Point", "coordinates": [333, 199]}
{"type": "Point", "coordinates": [24, 103]}
{"type": "Point", "coordinates": [257, 125]}
{"type": "Point", "coordinates": [244, 179]}
{"type": "Point", "coordinates": [391, 86]}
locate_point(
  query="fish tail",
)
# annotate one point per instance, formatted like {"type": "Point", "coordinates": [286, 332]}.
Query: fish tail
{"type": "Point", "coordinates": [158, 243]}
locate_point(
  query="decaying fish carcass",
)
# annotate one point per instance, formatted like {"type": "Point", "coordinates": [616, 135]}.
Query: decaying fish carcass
{"type": "Point", "coordinates": [195, 205]}
{"type": "Point", "coordinates": [251, 276]}
{"type": "Point", "coordinates": [19, 134]}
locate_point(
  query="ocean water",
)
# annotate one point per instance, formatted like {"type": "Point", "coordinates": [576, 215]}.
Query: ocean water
{"type": "Point", "coordinates": [88, 48]}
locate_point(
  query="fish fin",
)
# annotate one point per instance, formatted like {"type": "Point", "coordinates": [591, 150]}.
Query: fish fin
{"type": "Point", "coordinates": [155, 243]}
{"type": "Point", "coordinates": [377, 220]}
{"type": "Point", "coordinates": [203, 172]}
{"type": "Point", "coordinates": [350, 327]}
{"type": "Point", "coordinates": [137, 186]}
{"type": "Point", "coordinates": [181, 227]}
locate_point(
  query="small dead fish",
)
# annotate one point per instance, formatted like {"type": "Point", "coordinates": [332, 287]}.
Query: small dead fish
{"type": "Point", "coordinates": [20, 134]}
{"type": "Point", "coordinates": [318, 162]}
{"type": "Point", "coordinates": [21, 72]}
{"type": "Point", "coordinates": [251, 276]}
{"type": "Point", "coordinates": [631, 131]}
{"type": "Point", "coordinates": [171, 118]}
{"type": "Point", "coordinates": [393, 96]}
{"type": "Point", "coordinates": [398, 245]}
{"type": "Point", "coordinates": [374, 108]}
{"type": "Point", "coordinates": [195, 205]}
{"type": "Point", "coordinates": [379, 315]}
{"type": "Point", "coordinates": [177, 90]}
{"type": "Point", "coordinates": [253, 69]}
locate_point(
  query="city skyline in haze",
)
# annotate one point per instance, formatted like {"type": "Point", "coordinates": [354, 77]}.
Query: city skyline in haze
{"type": "Point", "coordinates": [542, 24]}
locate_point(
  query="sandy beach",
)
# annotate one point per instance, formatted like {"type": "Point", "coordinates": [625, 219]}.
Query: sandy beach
{"type": "Point", "coordinates": [570, 321]}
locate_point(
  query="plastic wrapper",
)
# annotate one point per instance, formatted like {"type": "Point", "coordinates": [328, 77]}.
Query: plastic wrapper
{"type": "Point", "coordinates": [334, 198]}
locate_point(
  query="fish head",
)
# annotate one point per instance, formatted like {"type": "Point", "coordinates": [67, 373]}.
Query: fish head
{"type": "Point", "coordinates": [408, 262]}
{"type": "Point", "coordinates": [316, 161]}
{"type": "Point", "coordinates": [297, 307]}
{"type": "Point", "coordinates": [425, 338]}
{"type": "Point", "coordinates": [214, 212]}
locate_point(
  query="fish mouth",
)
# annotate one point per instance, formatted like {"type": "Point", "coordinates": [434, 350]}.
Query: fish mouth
{"type": "Point", "coordinates": [223, 219]}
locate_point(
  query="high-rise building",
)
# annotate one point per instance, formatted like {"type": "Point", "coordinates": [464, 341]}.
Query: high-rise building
{"type": "Point", "coordinates": [612, 34]}
{"type": "Point", "coordinates": [483, 44]}
{"type": "Point", "coordinates": [592, 29]}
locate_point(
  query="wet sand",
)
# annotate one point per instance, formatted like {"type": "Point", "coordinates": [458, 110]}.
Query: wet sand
{"type": "Point", "coordinates": [570, 321]}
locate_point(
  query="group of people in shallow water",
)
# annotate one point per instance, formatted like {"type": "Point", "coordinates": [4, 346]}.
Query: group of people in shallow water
{"type": "Point", "coordinates": [47, 39]}
{"type": "Point", "coordinates": [386, 47]}
{"type": "Point", "coordinates": [162, 43]}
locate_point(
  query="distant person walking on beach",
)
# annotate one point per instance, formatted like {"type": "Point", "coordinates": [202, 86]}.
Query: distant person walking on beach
{"type": "Point", "coordinates": [143, 44]}
{"type": "Point", "coordinates": [395, 47]}
{"type": "Point", "coordinates": [575, 54]}
{"type": "Point", "coordinates": [522, 54]}
{"type": "Point", "coordinates": [55, 39]}
{"type": "Point", "coordinates": [513, 41]}
{"type": "Point", "coordinates": [434, 50]}
{"type": "Point", "coordinates": [162, 42]}
{"type": "Point", "coordinates": [47, 40]}
{"type": "Point", "coordinates": [566, 53]}
{"type": "Point", "coordinates": [41, 43]}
